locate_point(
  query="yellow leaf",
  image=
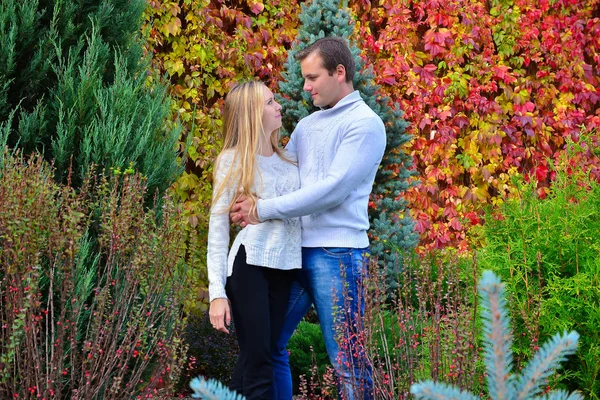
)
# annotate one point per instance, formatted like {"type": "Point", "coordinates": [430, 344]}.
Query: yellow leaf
{"type": "Point", "coordinates": [173, 27]}
{"type": "Point", "coordinates": [175, 9]}
{"type": "Point", "coordinates": [481, 193]}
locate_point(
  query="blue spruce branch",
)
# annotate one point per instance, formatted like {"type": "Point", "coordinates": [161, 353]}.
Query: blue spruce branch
{"type": "Point", "coordinates": [497, 337]}
{"type": "Point", "coordinates": [502, 385]}
{"type": "Point", "coordinates": [561, 395]}
{"type": "Point", "coordinates": [212, 390]}
{"type": "Point", "coordinates": [547, 359]}
{"type": "Point", "coordinates": [440, 391]}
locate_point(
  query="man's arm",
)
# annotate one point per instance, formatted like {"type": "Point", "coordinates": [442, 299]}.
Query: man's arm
{"type": "Point", "coordinates": [360, 150]}
{"type": "Point", "coordinates": [242, 213]}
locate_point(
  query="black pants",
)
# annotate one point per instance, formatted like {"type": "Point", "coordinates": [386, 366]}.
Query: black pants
{"type": "Point", "coordinates": [259, 298]}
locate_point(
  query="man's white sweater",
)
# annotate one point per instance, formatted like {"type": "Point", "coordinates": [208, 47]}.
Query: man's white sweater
{"type": "Point", "coordinates": [338, 152]}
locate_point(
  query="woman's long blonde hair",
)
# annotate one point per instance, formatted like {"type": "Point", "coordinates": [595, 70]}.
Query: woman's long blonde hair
{"type": "Point", "coordinates": [242, 130]}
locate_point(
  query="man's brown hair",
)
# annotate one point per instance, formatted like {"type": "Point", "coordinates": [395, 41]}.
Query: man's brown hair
{"type": "Point", "coordinates": [334, 51]}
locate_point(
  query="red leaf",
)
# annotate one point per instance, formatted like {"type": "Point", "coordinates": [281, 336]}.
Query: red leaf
{"type": "Point", "coordinates": [422, 223]}
{"type": "Point", "coordinates": [541, 173]}
{"type": "Point", "coordinates": [455, 224]}
{"type": "Point", "coordinates": [473, 218]}
{"type": "Point", "coordinates": [443, 36]}
{"type": "Point", "coordinates": [257, 8]}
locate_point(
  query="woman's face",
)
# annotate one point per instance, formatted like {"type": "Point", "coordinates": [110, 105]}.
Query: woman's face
{"type": "Point", "coordinates": [271, 118]}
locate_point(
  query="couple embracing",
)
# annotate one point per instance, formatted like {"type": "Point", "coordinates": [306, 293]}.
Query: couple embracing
{"type": "Point", "coordinates": [303, 210]}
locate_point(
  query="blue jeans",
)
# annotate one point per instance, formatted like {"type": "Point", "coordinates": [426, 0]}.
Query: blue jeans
{"type": "Point", "coordinates": [332, 280]}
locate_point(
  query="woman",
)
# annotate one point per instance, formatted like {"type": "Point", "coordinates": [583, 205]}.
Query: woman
{"type": "Point", "coordinates": [256, 273]}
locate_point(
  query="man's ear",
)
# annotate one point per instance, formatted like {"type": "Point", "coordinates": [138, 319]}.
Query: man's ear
{"type": "Point", "coordinates": [340, 73]}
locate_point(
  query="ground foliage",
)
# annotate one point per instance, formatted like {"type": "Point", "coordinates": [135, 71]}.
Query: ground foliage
{"type": "Point", "coordinates": [546, 251]}
{"type": "Point", "coordinates": [86, 315]}
{"type": "Point", "coordinates": [502, 381]}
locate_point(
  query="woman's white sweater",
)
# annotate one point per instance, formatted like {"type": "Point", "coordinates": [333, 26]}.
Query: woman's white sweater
{"type": "Point", "coordinates": [272, 244]}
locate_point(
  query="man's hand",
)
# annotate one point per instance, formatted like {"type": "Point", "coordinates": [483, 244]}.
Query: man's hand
{"type": "Point", "coordinates": [242, 214]}
{"type": "Point", "coordinates": [220, 315]}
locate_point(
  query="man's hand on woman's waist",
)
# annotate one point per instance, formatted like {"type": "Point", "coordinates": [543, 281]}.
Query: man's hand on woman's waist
{"type": "Point", "coordinates": [242, 213]}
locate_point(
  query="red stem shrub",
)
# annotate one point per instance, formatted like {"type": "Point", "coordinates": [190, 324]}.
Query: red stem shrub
{"type": "Point", "coordinates": [90, 287]}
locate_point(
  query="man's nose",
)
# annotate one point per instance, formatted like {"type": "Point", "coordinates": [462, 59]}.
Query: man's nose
{"type": "Point", "coordinates": [307, 87]}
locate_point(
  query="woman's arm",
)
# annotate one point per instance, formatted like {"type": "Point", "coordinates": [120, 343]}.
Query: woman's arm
{"type": "Point", "coordinates": [218, 246]}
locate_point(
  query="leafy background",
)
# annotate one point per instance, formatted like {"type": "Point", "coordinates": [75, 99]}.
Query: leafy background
{"type": "Point", "coordinates": [491, 91]}
{"type": "Point", "coordinates": [103, 115]}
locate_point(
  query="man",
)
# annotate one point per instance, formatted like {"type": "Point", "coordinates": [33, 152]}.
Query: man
{"type": "Point", "coordinates": [339, 149]}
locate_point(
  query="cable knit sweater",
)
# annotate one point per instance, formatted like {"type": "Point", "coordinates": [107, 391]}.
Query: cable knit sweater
{"type": "Point", "coordinates": [338, 152]}
{"type": "Point", "coordinates": [272, 244]}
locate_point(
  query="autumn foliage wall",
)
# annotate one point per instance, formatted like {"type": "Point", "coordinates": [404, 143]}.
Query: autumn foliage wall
{"type": "Point", "coordinates": [203, 47]}
{"type": "Point", "coordinates": [490, 89]}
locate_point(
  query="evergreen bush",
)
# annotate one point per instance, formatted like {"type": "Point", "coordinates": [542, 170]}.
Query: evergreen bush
{"type": "Point", "coordinates": [546, 250]}
{"type": "Point", "coordinates": [73, 87]}
{"type": "Point", "coordinates": [308, 355]}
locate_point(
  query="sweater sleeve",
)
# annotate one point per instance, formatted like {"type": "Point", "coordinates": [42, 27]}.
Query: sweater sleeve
{"type": "Point", "coordinates": [218, 231]}
{"type": "Point", "coordinates": [360, 150]}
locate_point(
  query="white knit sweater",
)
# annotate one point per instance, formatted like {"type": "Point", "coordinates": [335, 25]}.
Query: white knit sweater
{"type": "Point", "coordinates": [273, 244]}
{"type": "Point", "coordinates": [338, 152]}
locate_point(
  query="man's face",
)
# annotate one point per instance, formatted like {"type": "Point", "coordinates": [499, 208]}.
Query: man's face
{"type": "Point", "coordinates": [324, 88]}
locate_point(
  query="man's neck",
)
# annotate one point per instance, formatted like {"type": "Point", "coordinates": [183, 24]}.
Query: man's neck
{"type": "Point", "coordinates": [345, 90]}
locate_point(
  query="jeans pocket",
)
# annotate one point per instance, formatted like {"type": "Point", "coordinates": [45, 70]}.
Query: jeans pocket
{"type": "Point", "coordinates": [337, 251]}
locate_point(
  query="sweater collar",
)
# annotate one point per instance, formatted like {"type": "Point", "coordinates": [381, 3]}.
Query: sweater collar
{"type": "Point", "coordinates": [349, 99]}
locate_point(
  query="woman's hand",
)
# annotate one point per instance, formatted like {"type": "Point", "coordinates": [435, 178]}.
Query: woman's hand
{"type": "Point", "coordinates": [220, 314]}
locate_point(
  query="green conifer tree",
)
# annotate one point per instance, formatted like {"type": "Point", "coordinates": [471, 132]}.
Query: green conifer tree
{"type": "Point", "coordinates": [392, 227]}
{"type": "Point", "coordinates": [102, 274]}
{"type": "Point", "coordinates": [73, 87]}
